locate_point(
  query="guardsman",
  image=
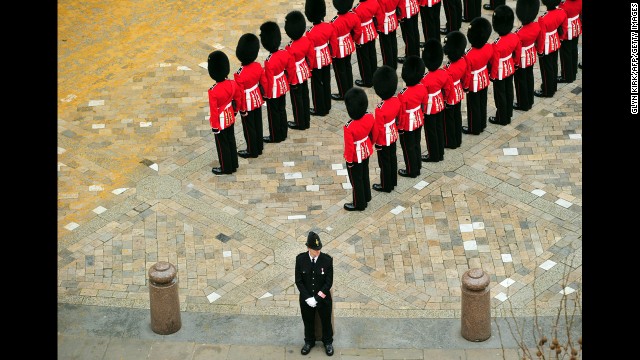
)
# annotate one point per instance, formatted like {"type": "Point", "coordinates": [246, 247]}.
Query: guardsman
{"type": "Point", "coordinates": [365, 39]}
{"type": "Point", "coordinates": [346, 23]}
{"type": "Point", "coordinates": [385, 130]}
{"type": "Point", "coordinates": [301, 49]}
{"type": "Point", "coordinates": [453, 15]}
{"type": "Point", "coordinates": [454, 44]}
{"type": "Point", "coordinates": [470, 10]}
{"type": "Point", "coordinates": [358, 147]}
{"type": "Point", "coordinates": [476, 79]}
{"type": "Point", "coordinates": [321, 34]}
{"type": "Point", "coordinates": [430, 17]}
{"type": "Point", "coordinates": [527, 11]}
{"type": "Point", "coordinates": [387, 24]}
{"type": "Point", "coordinates": [250, 107]}
{"type": "Point", "coordinates": [408, 19]}
{"type": "Point", "coordinates": [222, 97]}
{"type": "Point", "coordinates": [547, 45]}
{"type": "Point", "coordinates": [502, 64]}
{"type": "Point", "coordinates": [572, 29]}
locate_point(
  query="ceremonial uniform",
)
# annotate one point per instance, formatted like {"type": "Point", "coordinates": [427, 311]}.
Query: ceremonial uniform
{"type": "Point", "coordinates": [346, 23]}
{"type": "Point", "coordinates": [250, 107]}
{"type": "Point", "coordinates": [386, 25]}
{"type": "Point", "coordinates": [314, 279]}
{"type": "Point", "coordinates": [276, 84]}
{"type": "Point", "coordinates": [321, 34]}
{"type": "Point", "coordinates": [358, 148]}
{"type": "Point", "coordinates": [547, 46]}
{"type": "Point", "coordinates": [430, 16]}
{"type": "Point", "coordinates": [385, 131]}
{"type": "Point", "coordinates": [408, 20]}
{"type": "Point", "coordinates": [453, 47]}
{"type": "Point", "coordinates": [453, 15]}
{"type": "Point", "coordinates": [471, 10]}
{"type": "Point", "coordinates": [436, 81]}
{"type": "Point", "coordinates": [476, 79]}
{"type": "Point", "coordinates": [502, 64]}
{"type": "Point", "coordinates": [527, 11]}
{"type": "Point", "coordinates": [222, 96]}
{"type": "Point", "coordinates": [572, 28]}
{"type": "Point", "coordinates": [301, 50]}
{"type": "Point", "coordinates": [365, 38]}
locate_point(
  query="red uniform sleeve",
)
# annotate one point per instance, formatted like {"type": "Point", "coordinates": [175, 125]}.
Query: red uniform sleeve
{"type": "Point", "coordinates": [348, 144]}
{"type": "Point", "coordinates": [213, 109]}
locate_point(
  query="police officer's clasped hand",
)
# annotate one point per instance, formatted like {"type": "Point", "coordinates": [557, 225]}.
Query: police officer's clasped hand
{"type": "Point", "coordinates": [312, 302]}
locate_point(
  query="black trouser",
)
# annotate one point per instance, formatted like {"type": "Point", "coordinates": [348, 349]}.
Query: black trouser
{"type": "Point", "coordinates": [300, 104]}
{"type": "Point", "coordinates": [410, 35]}
{"type": "Point", "coordinates": [388, 48]}
{"type": "Point", "coordinates": [321, 90]}
{"type": "Point", "coordinates": [569, 59]}
{"type": "Point", "coordinates": [277, 115]}
{"type": "Point", "coordinates": [411, 150]}
{"type": "Point", "coordinates": [227, 150]}
{"type": "Point", "coordinates": [453, 126]}
{"type": "Point", "coordinates": [388, 162]}
{"type": "Point", "coordinates": [430, 17]}
{"type": "Point", "coordinates": [477, 111]}
{"type": "Point", "coordinates": [434, 135]}
{"type": "Point", "coordinates": [549, 73]}
{"type": "Point", "coordinates": [367, 61]}
{"type": "Point", "coordinates": [495, 3]}
{"type": "Point", "coordinates": [471, 9]}
{"type": "Point", "coordinates": [252, 130]}
{"type": "Point", "coordinates": [523, 85]}
{"type": "Point", "coordinates": [453, 14]}
{"type": "Point", "coordinates": [344, 74]}
{"type": "Point", "coordinates": [309, 320]}
{"type": "Point", "coordinates": [503, 99]}
{"type": "Point", "coordinates": [360, 183]}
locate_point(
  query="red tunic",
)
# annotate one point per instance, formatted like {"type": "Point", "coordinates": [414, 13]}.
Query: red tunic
{"type": "Point", "coordinates": [222, 112]}
{"type": "Point", "coordinates": [320, 35]}
{"type": "Point", "coordinates": [386, 16]}
{"type": "Point", "coordinates": [572, 28]}
{"type": "Point", "coordinates": [408, 9]}
{"type": "Point", "coordinates": [303, 55]}
{"type": "Point", "coordinates": [527, 35]}
{"type": "Point", "coordinates": [502, 63]}
{"type": "Point", "coordinates": [548, 39]}
{"type": "Point", "coordinates": [412, 100]}
{"type": "Point", "coordinates": [274, 80]}
{"type": "Point", "coordinates": [366, 10]}
{"type": "Point", "coordinates": [248, 78]}
{"type": "Point", "coordinates": [385, 131]}
{"type": "Point", "coordinates": [346, 25]}
{"type": "Point", "coordinates": [357, 143]}
{"type": "Point", "coordinates": [477, 74]}
{"type": "Point", "coordinates": [435, 82]}
{"type": "Point", "coordinates": [456, 71]}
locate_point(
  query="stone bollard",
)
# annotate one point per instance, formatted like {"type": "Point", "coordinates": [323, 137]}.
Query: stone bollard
{"type": "Point", "coordinates": [164, 300]}
{"type": "Point", "coordinates": [318, 324]}
{"type": "Point", "coordinates": [476, 305]}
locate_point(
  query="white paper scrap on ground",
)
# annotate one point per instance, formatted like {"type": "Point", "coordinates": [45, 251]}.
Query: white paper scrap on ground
{"type": "Point", "coordinates": [213, 297]}
{"type": "Point", "coordinates": [99, 210]}
{"type": "Point", "coordinates": [502, 297]}
{"type": "Point", "coordinates": [506, 258]}
{"type": "Point", "coordinates": [478, 225]}
{"type": "Point", "coordinates": [226, 253]}
{"type": "Point", "coordinates": [164, 65]}
{"type": "Point", "coordinates": [397, 210]}
{"type": "Point", "coordinates": [61, 150]}
{"type": "Point", "coordinates": [567, 290]}
{"type": "Point", "coordinates": [336, 166]}
{"type": "Point", "coordinates": [70, 226]}
{"type": "Point", "coordinates": [68, 98]}
{"type": "Point", "coordinates": [313, 187]}
{"type": "Point", "coordinates": [538, 192]}
{"type": "Point", "coordinates": [575, 136]}
{"type": "Point", "coordinates": [154, 166]}
{"type": "Point", "coordinates": [295, 175]}
{"type": "Point", "coordinates": [470, 245]}
{"type": "Point", "coordinates": [564, 203]}
{"type": "Point", "coordinates": [119, 191]}
{"type": "Point", "coordinates": [97, 126]}
{"type": "Point", "coordinates": [342, 172]}
{"type": "Point", "coordinates": [507, 282]}
{"type": "Point", "coordinates": [96, 102]}
{"type": "Point", "coordinates": [145, 123]}
{"type": "Point", "coordinates": [548, 264]}
{"type": "Point", "coordinates": [266, 295]}
{"type": "Point", "coordinates": [296, 217]}
{"type": "Point", "coordinates": [184, 68]}
{"type": "Point", "coordinates": [421, 185]}
{"type": "Point", "coordinates": [510, 151]}
{"type": "Point", "coordinates": [204, 65]}
{"type": "Point", "coordinates": [95, 188]}
{"type": "Point", "coordinates": [346, 185]}
{"type": "Point", "coordinates": [288, 163]}
{"type": "Point", "coordinates": [466, 228]}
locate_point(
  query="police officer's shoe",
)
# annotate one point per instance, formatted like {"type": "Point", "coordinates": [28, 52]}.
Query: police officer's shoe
{"type": "Point", "coordinates": [351, 207]}
{"type": "Point", "coordinates": [217, 171]}
{"type": "Point", "coordinates": [328, 349]}
{"type": "Point", "coordinates": [487, 7]}
{"type": "Point", "coordinates": [293, 125]}
{"type": "Point", "coordinates": [306, 348]}
{"type": "Point", "coordinates": [337, 97]}
{"type": "Point", "coordinates": [401, 59]}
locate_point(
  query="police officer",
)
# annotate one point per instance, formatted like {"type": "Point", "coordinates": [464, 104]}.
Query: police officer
{"type": "Point", "coordinates": [314, 278]}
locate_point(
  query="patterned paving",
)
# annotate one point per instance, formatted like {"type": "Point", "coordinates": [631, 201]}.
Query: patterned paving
{"type": "Point", "coordinates": [135, 185]}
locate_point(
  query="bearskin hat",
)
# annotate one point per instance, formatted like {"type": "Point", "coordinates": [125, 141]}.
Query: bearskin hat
{"type": "Point", "coordinates": [432, 54]}
{"type": "Point", "coordinates": [315, 10]}
{"type": "Point", "coordinates": [343, 6]}
{"type": "Point", "coordinates": [527, 10]}
{"type": "Point", "coordinates": [247, 48]}
{"type": "Point", "coordinates": [295, 24]}
{"type": "Point", "coordinates": [478, 32]}
{"type": "Point", "coordinates": [270, 36]}
{"type": "Point", "coordinates": [218, 65]}
{"type": "Point", "coordinates": [385, 81]}
{"type": "Point", "coordinates": [551, 4]}
{"type": "Point", "coordinates": [502, 19]}
{"type": "Point", "coordinates": [356, 102]}
{"type": "Point", "coordinates": [454, 45]}
{"type": "Point", "coordinates": [412, 70]}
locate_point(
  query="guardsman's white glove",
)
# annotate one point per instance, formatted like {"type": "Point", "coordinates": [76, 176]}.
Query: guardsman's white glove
{"type": "Point", "coordinates": [311, 302]}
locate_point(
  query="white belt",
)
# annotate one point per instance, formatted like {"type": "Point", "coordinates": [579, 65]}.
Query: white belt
{"type": "Point", "coordinates": [341, 44]}
{"type": "Point", "coordinates": [547, 40]}
{"type": "Point", "coordinates": [570, 28]}
{"type": "Point", "coordinates": [412, 116]}
{"type": "Point", "coordinates": [430, 101]}
{"type": "Point", "coordinates": [319, 54]}
{"type": "Point", "coordinates": [501, 66]}
{"type": "Point", "coordinates": [358, 145]}
{"type": "Point", "coordinates": [275, 83]}
{"type": "Point", "coordinates": [523, 55]}
{"type": "Point", "coordinates": [247, 95]}
{"type": "Point", "coordinates": [475, 77]}
{"type": "Point", "coordinates": [456, 82]}
{"type": "Point", "coordinates": [222, 113]}
{"type": "Point", "coordinates": [387, 19]}
{"type": "Point", "coordinates": [298, 71]}
{"type": "Point", "coordinates": [387, 130]}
